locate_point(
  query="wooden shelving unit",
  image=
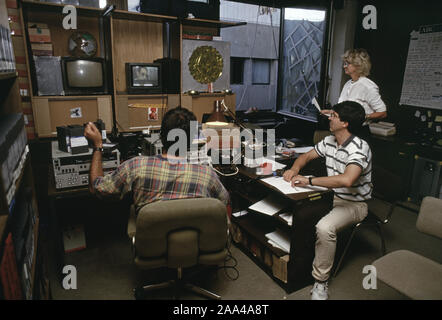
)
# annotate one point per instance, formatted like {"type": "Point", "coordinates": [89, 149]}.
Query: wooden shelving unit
{"type": "Point", "coordinates": [20, 192]}
{"type": "Point", "coordinates": [122, 37]}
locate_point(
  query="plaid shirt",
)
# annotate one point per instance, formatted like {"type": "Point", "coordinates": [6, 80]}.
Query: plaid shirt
{"type": "Point", "coordinates": [155, 178]}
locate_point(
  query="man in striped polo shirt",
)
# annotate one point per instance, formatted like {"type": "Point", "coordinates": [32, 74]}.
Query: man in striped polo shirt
{"type": "Point", "coordinates": [348, 162]}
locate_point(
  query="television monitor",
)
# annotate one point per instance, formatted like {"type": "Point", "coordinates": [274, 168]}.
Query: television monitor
{"type": "Point", "coordinates": [143, 77]}
{"type": "Point", "coordinates": [83, 76]}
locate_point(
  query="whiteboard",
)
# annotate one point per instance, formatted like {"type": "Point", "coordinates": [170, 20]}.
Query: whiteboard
{"type": "Point", "coordinates": [422, 83]}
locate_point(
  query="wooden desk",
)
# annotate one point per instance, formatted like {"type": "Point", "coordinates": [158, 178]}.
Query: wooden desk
{"type": "Point", "coordinates": [291, 271]}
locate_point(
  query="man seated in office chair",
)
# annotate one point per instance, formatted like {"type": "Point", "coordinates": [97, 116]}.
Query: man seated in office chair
{"type": "Point", "coordinates": [160, 177]}
{"type": "Point", "coordinates": [348, 162]}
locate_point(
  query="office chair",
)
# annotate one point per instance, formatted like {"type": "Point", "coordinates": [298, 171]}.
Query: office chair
{"type": "Point", "coordinates": [386, 193]}
{"type": "Point", "coordinates": [414, 275]}
{"type": "Point", "coordinates": [179, 234]}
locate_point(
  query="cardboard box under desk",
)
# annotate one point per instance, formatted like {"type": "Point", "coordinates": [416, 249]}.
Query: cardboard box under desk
{"type": "Point", "coordinates": [279, 267]}
{"type": "Point", "coordinates": [50, 112]}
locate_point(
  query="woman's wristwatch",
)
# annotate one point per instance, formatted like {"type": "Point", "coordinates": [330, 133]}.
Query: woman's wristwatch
{"type": "Point", "coordinates": [310, 181]}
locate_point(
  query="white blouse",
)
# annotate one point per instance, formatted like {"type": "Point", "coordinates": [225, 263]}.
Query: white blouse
{"type": "Point", "coordinates": [365, 92]}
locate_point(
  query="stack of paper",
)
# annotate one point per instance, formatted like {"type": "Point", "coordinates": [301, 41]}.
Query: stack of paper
{"type": "Point", "coordinates": [269, 205]}
{"type": "Point", "coordinates": [279, 239]}
{"type": "Point", "coordinates": [240, 213]}
{"type": "Point", "coordinates": [287, 217]}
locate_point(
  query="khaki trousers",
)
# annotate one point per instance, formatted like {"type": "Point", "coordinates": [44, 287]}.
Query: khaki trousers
{"type": "Point", "coordinates": [343, 214]}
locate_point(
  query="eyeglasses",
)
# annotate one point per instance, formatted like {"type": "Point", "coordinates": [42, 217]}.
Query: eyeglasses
{"type": "Point", "coordinates": [333, 115]}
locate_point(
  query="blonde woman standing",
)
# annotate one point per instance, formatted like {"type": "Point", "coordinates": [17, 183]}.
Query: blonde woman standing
{"type": "Point", "coordinates": [359, 88]}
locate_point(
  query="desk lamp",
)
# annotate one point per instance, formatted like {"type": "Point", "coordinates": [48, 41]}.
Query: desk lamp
{"type": "Point", "coordinates": [217, 118]}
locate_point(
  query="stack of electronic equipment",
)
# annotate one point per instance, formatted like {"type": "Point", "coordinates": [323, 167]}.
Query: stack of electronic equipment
{"type": "Point", "coordinates": [72, 156]}
{"type": "Point", "coordinates": [13, 151]}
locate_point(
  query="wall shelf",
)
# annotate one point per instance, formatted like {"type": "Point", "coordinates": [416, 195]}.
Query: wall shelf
{"type": "Point", "coordinates": [58, 8]}
{"type": "Point", "coordinates": [8, 75]}
{"type": "Point", "coordinates": [138, 16]}
{"type": "Point", "coordinates": [211, 23]}
{"type": "Point", "coordinates": [143, 95]}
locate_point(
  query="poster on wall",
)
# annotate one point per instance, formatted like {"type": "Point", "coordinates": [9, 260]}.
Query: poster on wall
{"type": "Point", "coordinates": [422, 83]}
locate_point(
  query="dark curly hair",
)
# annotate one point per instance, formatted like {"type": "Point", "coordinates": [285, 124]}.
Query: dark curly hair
{"type": "Point", "coordinates": [353, 113]}
{"type": "Point", "coordinates": [177, 118]}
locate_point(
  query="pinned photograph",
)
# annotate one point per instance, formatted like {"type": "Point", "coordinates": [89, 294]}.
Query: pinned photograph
{"type": "Point", "coordinates": [152, 114]}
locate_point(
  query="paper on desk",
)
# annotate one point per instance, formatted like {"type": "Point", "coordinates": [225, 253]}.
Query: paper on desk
{"type": "Point", "coordinates": [302, 149]}
{"type": "Point", "coordinates": [240, 213]}
{"type": "Point", "coordinates": [269, 205]}
{"type": "Point", "coordinates": [281, 239]}
{"type": "Point", "coordinates": [286, 187]}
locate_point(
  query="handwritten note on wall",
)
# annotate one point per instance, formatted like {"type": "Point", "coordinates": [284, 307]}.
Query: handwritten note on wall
{"type": "Point", "coordinates": [422, 84]}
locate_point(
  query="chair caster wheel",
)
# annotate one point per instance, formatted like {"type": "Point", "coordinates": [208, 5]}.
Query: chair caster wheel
{"type": "Point", "coordinates": [138, 293]}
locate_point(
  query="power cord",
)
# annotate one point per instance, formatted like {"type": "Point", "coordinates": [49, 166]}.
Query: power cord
{"type": "Point", "coordinates": [226, 174]}
{"type": "Point", "coordinates": [228, 258]}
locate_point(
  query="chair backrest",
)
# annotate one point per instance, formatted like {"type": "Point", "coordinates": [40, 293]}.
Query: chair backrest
{"type": "Point", "coordinates": [319, 135]}
{"type": "Point", "coordinates": [429, 220]}
{"type": "Point", "coordinates": [182, 232]}
{"type": "Point", "coordinates": [386, 185]}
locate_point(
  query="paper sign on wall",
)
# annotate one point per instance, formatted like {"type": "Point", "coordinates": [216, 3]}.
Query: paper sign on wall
{"type": "Point", "coordinates": [76, 113]}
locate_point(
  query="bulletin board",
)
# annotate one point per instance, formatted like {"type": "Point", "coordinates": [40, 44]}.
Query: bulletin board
{"type": "Point", "coordinates": [422, 82]}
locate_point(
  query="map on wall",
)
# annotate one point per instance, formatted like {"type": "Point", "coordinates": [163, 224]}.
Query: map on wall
{"type": "Point", "coordinates": [422, 84]}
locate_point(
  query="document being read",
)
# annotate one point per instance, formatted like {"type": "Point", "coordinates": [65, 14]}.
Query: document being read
{"type": "Point", "coordinates": [286, 187]}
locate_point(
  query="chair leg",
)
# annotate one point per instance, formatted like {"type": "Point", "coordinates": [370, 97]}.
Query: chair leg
{"type": "Point", "coordinates": [384, 250]}
{"type": "Point", "coordinates": [177, 286]}
{"type": "Point", "coordinates": [156, 286]}
{"type": "Point", "coordinates": [202, 291]}
{"type": "Point", "coordinates": [345, 251]}
{"type": "Point", "coordinates": [139, 291]}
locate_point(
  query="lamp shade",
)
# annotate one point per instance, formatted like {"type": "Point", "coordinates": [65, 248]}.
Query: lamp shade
{"type": "Point", "coordinates": [217, 117]}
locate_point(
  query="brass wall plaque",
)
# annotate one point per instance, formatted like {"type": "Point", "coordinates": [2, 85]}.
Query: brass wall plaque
{"type": "Point", "coordinates": [205, 64]}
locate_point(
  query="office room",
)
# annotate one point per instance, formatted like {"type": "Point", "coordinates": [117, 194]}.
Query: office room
{"type": "Point", "coordinates": [221, 150]}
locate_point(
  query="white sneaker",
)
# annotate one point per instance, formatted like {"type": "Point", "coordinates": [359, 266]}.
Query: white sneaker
{"type": "Point", "coordinates": [319, 291]}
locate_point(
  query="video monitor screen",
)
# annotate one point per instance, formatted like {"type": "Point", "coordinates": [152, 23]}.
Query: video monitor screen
{"type": "Point", "coordinates": [145, 76]}
{"type": "Point", "coordinates": [84, 74]}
